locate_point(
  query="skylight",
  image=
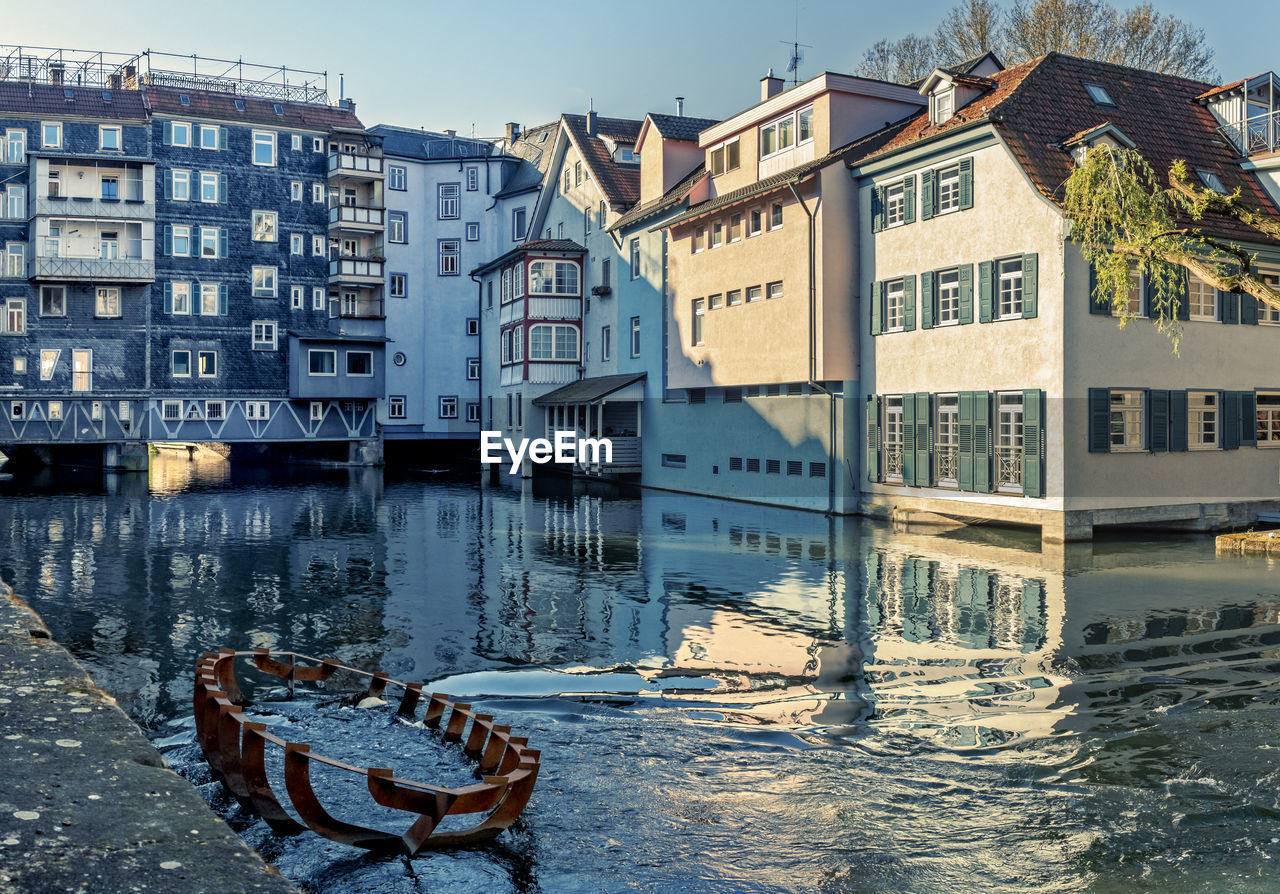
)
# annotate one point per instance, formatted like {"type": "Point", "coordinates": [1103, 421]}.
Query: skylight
{"type": "Point", "coordinates": [1099, 94]}
{"type": "Point", "coordinates": [239, 105]}
{"type": "Point", "coordinates": [68, 93]}
{"type": "Point", "coordinates": [106, 96]}
{"type": "Point", "coordinates": [1211, 180]}
{"type": "Point", "coordinates": [184, 99]}
{"type": "Point", "coordinates": [279, 109]}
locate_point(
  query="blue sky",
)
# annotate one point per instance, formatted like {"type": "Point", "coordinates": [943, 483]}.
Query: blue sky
{"type": "Point", "coordinates": [458, 65]}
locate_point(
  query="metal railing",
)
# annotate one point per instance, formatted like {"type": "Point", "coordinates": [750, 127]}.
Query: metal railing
{"type": "Point", "coordinates": [354, 163]}
{"type": "Point", "coordinates": [948, 463]}
{"type": "Point", "coordinates": [893, 462]}
{"type": "Point", "coordinates": [1256, 135]}
{"type": "Point", "coordinates": [362, 267]}
{"type": "Point", "coordinates": [356, 214]}
{"type": "Point", "coordinates": [359, 309]}
{"type": "Point", "coordinates": [88, 206]}
{"type": "Point", "coordinates": [117, 269]}
{"type": "Point", "coordinates": [1008, 467]}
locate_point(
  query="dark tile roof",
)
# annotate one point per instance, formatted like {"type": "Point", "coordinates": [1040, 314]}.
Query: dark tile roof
{"type": "Point", "coordinates": [671, 199]}
{"type": "Point", "coordinates": [535, 145]}
{"type": "Point", "coordinates": [50, 100]}
{"type": "Point", "coordinates": [527, 178]}
{"type": "Point", "coordinates": [534, 245]}
{"type": "Point", "coordinates": [1038, 105]}
{"type": "Point", "coordinates": [222, 107]}
{"type": "Point", "coordinates": [619, 182]}
{"type": "Point", "coordinates": [961, 68]}
{"type": "Point", "coordinates": [585, 391]}
{"type": "Point", "coordinates": [678, 127]}
{"type": "Point", "coordinates": [428, 145]}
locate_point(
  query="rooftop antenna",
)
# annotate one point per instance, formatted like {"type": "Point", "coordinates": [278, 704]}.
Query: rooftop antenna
{"type": "Point", "coordinates": [797, 54]}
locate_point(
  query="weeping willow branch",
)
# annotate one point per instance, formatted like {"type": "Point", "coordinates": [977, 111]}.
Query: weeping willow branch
{"type": "Point", "coordinates": [1124, 220]}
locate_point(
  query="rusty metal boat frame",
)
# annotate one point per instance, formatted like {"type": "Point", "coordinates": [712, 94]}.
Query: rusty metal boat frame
{"type": "Point", "coordinates": [235, 748]}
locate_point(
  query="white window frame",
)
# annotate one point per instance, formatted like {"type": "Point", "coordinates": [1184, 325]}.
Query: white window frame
{"type": "Point", "coordinates": [448, 201]}
{"type": "Point", "coordinates": [635, 336]}
{"type": "Point", "coordinates": [106, 303]}
{"type": "Point", "coordinates": [359, 375]}
{"type": "Point", "coordinates": [725, 157]}
{"type": "Point", "coordinates": [1008, 297]}
{"type": "Point", "coordinates": [473, 369]}
{"type": "Point", "coordinates": [173, 363]}
{"type": "Point", "coordinates": [296, 297]}
{"type": "Point", "coordinates": [1009, 419]}
{"type": "Point", "coordinates": [1127, 427]}
{"type": "Point", "coordinates": [263, 139]}
{"type": "Point", "coordinates": [894, 305]}
{"type": "Point", "coordinates": [448, 406]}
{"type": "Point", "coordinates": [398, 285]}
{"type": "Point", "coordinates": [257, 410]}
{"type": "Point", "coordinates": [892, 437]}
{"type": "Point", "coordinates": [698, 318]}
{"type": "Point", "coordinates": [397, 177]}
{"type": "Point", "coordinates": [201, 355]}
{"type": "Point", "coordinates": [1196, 289]}
{"type": "Point", "coordinates": [397, 227]}
{"type": "Point", "coordinates": [56, 143]}
{"type": "Point", "coordinates": [1268, 419]}
{"type": "Point", "coordinates": [317, 298]}
{"type": "Point", "coordinates": [295, 142]}
{"type": "Point", "coordinates": [265, 226]}
{"type": "Point", "coordinates": [209, 299]}
{"type": "Point", "coordinates": [295, 243]}
{"type": "Point", "coordinates": [317, 193]}
{"type": "Point", "coordinates": [895, 204]}
{"type": "Point", "coordinates": [942, 105]}
{"type": "Point", "coordinates": [1204, 421]}
{"type": "Point", "coordinates": [397, 407]}
{"type": "Point", "coordinates": [557, 347]}
{"type": "Point", "coordinates": [314, 354]}
{"type": "Point", "coordinates": [948, 297]}
{"type": "Point", "coordinates": [61, 303]}
{"type": "Point", "coordinates": [557, 281]}
{"type": "Point", "coordinates": [265, 281]}
{"type": "Point", "coordinates": [181, 231]}
{"type": "Point", "coordinates": [473, 232]}
{"type": "Point", "coordinates": [450, 257]}
{"type": "Point", "coordinates": [208, 136]}
{"type": "Point", "coordinates": [117, 130]}
{"type": "Point", "coordinates": [948, 180]}
{"type": "Point", "coordinates": [215, 410]}
{"type": "Point", "coordinates": [317, 246]}
{"type": "Point", "coordinates": [186, 129]}
{"type": "Point", "coordinates": [183, 177]}
{"type": "Point", "coordinates": [265, 335]}
{"type": "Point", "coordinates": [295, 190]}
{"type": "Point", "coordinates": [206, 235]}
{"type": "Point", "coordinates": [606, 343]}
{"type": "Point", "coordinates": [473, 178]}
{"type": "Point", "coordinates": [180, 298]}
{"type": "Point", "coordinates": [49, 363]}
{"type": "Point", "coordinates": [947, 440]}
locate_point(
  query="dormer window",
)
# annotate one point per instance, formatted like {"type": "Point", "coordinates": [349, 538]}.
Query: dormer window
{"type": "Point", "coordinates": [1211, 180]}
{"type": "Point", "coordinates": [1099, 95]}
{"type": "Point", "coordinates": [944, 105]}
{"type": "Point", "coordinates": [725, 157]}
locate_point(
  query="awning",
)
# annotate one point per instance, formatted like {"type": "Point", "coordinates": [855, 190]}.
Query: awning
{"type": "Point", "coordinates": [629, 386]}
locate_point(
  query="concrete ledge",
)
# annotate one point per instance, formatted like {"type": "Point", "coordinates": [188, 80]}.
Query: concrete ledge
{"type": "Point", "coordinates": [86, 804]}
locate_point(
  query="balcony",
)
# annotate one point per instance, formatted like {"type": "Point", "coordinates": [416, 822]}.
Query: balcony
{"type": "Point", "coordinates": [356, 217]}
{"type": "Point", "coordinates": [100, 269]}
{"type": "Point", "coordinates": [1255, 136]}
{"type": "Point", "coordinates": [86, 206]}
{"type": "Point", "coordinates": [355, 165]}
{"type": "Point", "coordinates": [357, 308]}
{"type": "Point", "coordinates": [365, 270]}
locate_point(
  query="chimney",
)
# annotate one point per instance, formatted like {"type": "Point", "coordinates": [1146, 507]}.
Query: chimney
{"type": "Point", "coordinates": [770, 86]}
{"type": "Point", "coordinates": [56, 72]}
{"type": "Point", "coordinates": [591, 118]}
{"type": "Point", "coordinates": [131, 77]}
{"type": "Point", "coordinates": [451, 133]}
{"type": "Point", "coordinates": [113, 82]}
{"type": "Point", "coordinates": [679, 106]}
{"type": "Point", "coordinates": [513, 131]}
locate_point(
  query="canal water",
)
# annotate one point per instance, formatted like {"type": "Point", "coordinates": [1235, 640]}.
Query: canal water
{"type": "Point", "coordinates": [727, 698]}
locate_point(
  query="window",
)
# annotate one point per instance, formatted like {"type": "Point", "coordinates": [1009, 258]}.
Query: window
{"type": "Point", "coordinates": [948, 189]}
{"type": "Point", "coordinates": [548, 342]}
{"type": "Point", "coordinates": [51, 134]}
{"type": "Point", "coordinates": [519, 224]}
{"type": "Point", "coordinates": [1266, 314]}
{"type": "Point", "coordinates": [264, 226]}
{"type": "Point", "coordinates": [109, 137]}
{"type": "Point", "coordinates": [944, 105]}
{"type": "Point", "coordinates": [699, 313]}
{"type": "Point", "coordinates": [804, 124]}
{"type": "Point", "coordinates": [586, 221]}
{"type": "Point", "coordinates": [717, 234]}
{"type": "Point", "coordinates": [16, 206]}
{"type": "Point", "coordinates": [179, 298]}
{"type": "Point", "coordinates": [180, 364]}
{"type": "Point", "coordinates": [1009, 442]}
{"type": "Point", "coordinates": [15, 259]}
{"type": "Point", "coordinates": [1009, 273]}
{"type": "Point", "coordinates": [257, 410]}
{"type": "Point", "coordinates": [317, 193]}
{"type": "Point", "coordinates": [210, 299]}
{"type": "Point", "coordinates": [295, 297]}
{"type": "Point", "coordinates": [317, 411]}
{"type": "Point", "coordinates": [360, 363]}
{"type": "Point", "coordinates": [699, 239]}
{"type": "Point", "coordinates": [181, 241]}
{"type": "Point", "coordinates": [396, 177]}
{"type": "Point", "coordinates": [209, 137]}
{"type": "Point", "coordinates": [207, 363]}
{"type": "Point", "coordinates": [110, 188]}
{"type": "Point", "coordinates": [473, 179]}
{"type": "Point", "coordinates": [398, 286]}
{"type": "Point", "coordinates": [473, 369]}
{"type": "Point", "coordinates": [48, 363]}
{"type": "Point", "coordinates": [1099, 94]}
{"type": "Point", "coordinates": [450, 252]}
{"type": "Point", "coordinates": [733, 297]}
{"type": "Point", "coordinates": [1268, 420]}
{"type": "Point", "coordinates": [109, 246]}
{"type": "Point", "coordinates": [209, 238]}
{"type": "Point", "coordinates": [774, 290]}
{"type": "Point", "coordinates": [53, 301]}
{"type": "Point", "coordinates": [317, 144]}
{"type": "Point", "coordinates": [606, 343]}
{"type": "Point", "coordinates": [396, 229]}
{"type": "Point", "coordinates": [473, 232]}
{"type": "Point", "coordinates": [55, 184]}
{"type": "Point", "coordinates": [317, 299]}
{"type": "Point", "coordinates": [735, 228]}
{"type": "Point", "coordinates": [1211, 180]}
{"type": "Point", "coordinates": [317, 246]}
{"type": "Point", "coordinates": [107, 303]}
{"type": "Point", "coordinates": [295, 243]}
{"type": "Point", "coordinates": [1126, 422]}
{"type": "Point", "coordinates": [755, 220]}
{"type": "Point", "coordinates": [264, 282]}
{"type": "Point", "coordinates": [180, 186]}
{"type": "Point", "coordinates": [264, 335]}
{"type": "Point", "coordinates": [215, 410]}
{"type": "Point", "coordinates": [19, 364]}
{"type": "Point", "coordinates": [602, 214]}
{"type": "Point", "coordinates": [948, 297]}
{"type": "Point", "coordinates": [396, 407]}
{"type": "Point", "coordinates": [779, 135]}
{"type": "Point", "coordinates": [180, 132]}
{"type": "Point", "coordinates": [322, 362]}
{"type": "Point", "coordinates": [264, 148]}
{"type": "Point", "coordinates": [449, 407]}
{"type": "Point", "coordinates": [895, 304]}
{"type": "Point", "coordinates": [726, 157]}
{"type": "Point", "coordinates": [893, 439]}
{"type": "Point", "coordinates": [171, 410]}
{"type": "Point", "coordinates": [775, 216]}
{"type": "Point", "coordinates": [577, 173]}
{"type": "Point", "coordinates": [1202, 420]}
{"type": "Point", "coordinates": [895, 204]}
{"type": "Point", "coordinates": [1133, 297]}
{"type": "Point", "coordinates": [295, 190]}
{"type": "Point", "coordinates": [635, 258]}
{"type": "Point", "coordinates": [947, 440]}
{"type": "Point", "coordinates": [17, 409]}
{"type": "Point", "coordinates": [635, 336]}
{"type": "Point", "coordinates": [448, 196]}
{"type": "Point", "coordinates": [1202, 298]}
{"type": "Point", "coordinates": [553, 278]}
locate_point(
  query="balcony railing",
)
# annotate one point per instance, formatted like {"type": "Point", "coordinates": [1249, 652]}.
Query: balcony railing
{"type": "Point", "coordinates": [88, 206]}
{"type": "Point", "coordinates": [1008, 468]}
{"type": "Point", "coordinates": [1255, 136]}
{"type": "Point", "coordinates": [355, 163]}
{"type": "Point", "coordinates": [358, 309]}
{"type": "Point", "coordinates": [362, 268]}
{"type": "Point", "coordinates": [356, 214]}
{"type": "Point", "coordinates": [893, 462]}
{"type": "Point", "coordinates": [114, 270]}
{"type": "Point", "coordinates": [948, 464]}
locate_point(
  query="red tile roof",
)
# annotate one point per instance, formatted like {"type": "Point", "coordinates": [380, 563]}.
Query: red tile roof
{"type": "Point", "coordinates": [620, 182]}
{"type": "Point", "coordinates": [222, 107]}
{"type": "Point", "coordinates": [51, 100]}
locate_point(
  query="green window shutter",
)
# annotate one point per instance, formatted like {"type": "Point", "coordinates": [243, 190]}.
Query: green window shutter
{"type": "Point", "coordinates": [1248, 419]}
{"type": "Point", "coordinates": [1178, 421]}
{"type": "Point", "coordinates": [964, 440]}
{"type": "Point", "coordinates": [197, 306]}
{"type": "Point", "coordinates": [1146, 296]}
{"type": "Point", "coordinates": [1158, 421]}
{"type": "Point", "coordinates": [222, 189]}
{"type": "Point", "coordinates": [222, 298]}
{"type": "Point", "coordinates": [168, 133]}
{"type": "Point", "coordinates": [1099, 420]}
{"type": "Point", "coordinates": [168, 297]}
{"type": "Point", "coordinates": [1033, 443]}
{"type": "Point", "coordinates": [222, 138]}
{"type": "Point", "coordinates": [1248, 310]}
{"type": "Point", "coordinates": [966, 183]}
{"type": "Point", "coordinates": [1030, 268]}
{"type": "Point", "coordinates": [966, 293]}
{"type": "Point", "coordinates": [909, 199]}
{"type": "Point", "coordinates": [908, 303]}
{"type": "Point", "coordinates": [924, 454]}
{"type": "Point", "coordinates": [927, 186]}
{"type": "Point", "coordinates": [1229, 307]}
{"type": "Point", "coordinates": [909, 440]}
{"type": "Point", "coordinates": [1229, 430]}
{"type": "Point", "coordinates": [982, 441]}
{"type": "Point", "coordinates": [1184, 304]}
{"type": "Point", "coordinates": [928, 296]}
{"type": "Point", "coordinates": [873, 437]}
{"type": "Point", "coordinates": [168, 239]}
{"type": "Point", "coordinates": [222, 243]}
{"type": "Point", "coordinates": [877, 307]}
{"type": "Point", "coordinates": [877, 209]}
{"type": "Point", "coordinates": [985, 272]}
{"type": "Point", "coordinates": [168, 184]}
{"type": "Point", "coordinates": [1098, 304]}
